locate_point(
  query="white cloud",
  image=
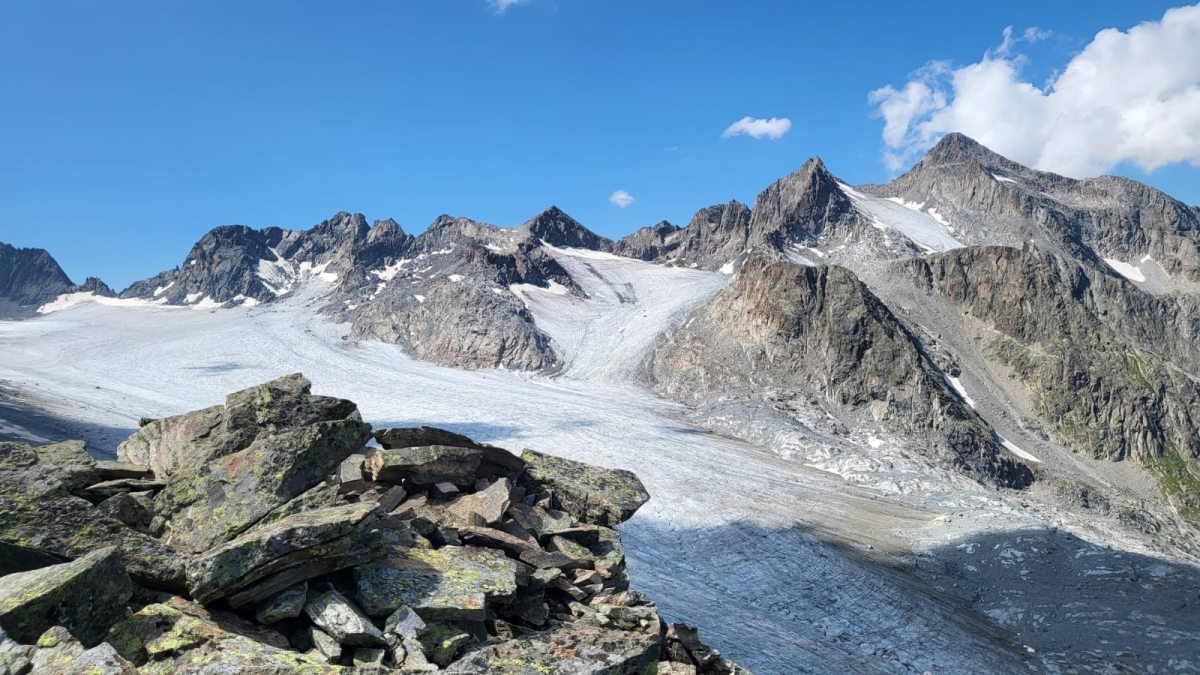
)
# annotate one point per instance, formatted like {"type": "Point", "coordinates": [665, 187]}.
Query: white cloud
{"type": "Point", "coordinates": [620, 198]}
{"type": "Point", "coordinates": [1129, 96]}
{"type": "Point", "coordinates": [500, 6]}
{"type": "Point", "coordinates": [758, 128]}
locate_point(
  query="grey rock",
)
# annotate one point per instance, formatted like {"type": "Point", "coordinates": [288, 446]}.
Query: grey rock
{"type": "Point", "coordinates": [287, 604]}
{"type": "Point", "coordinates": [490, 504]}
{"type": "Point", "coordinates": [451, 583]}
{"type": "Point", "coordinates": [589, 493]}
{"type": "Point", "coordinates": [404, 623]}
{"type": "Point", "coordinates": [337, 616]}
{"type": "Point", "coordinates": [326, 645]}
{"type": "Point", "coordinates": [86, 596]}
{"type": "Point", "coordinates": [568, 650]}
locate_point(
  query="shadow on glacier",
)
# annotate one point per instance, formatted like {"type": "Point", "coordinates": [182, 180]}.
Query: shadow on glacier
{"type": "Point", "coordinates": [25, 424]}
{"type": "Point", "coordinates": [482, 432]}
{"type": "Point", "coordinates": [801, 600]}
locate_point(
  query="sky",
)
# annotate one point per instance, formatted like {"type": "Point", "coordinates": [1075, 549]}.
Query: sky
{"type": "Point", "coordinates": [128, 128]}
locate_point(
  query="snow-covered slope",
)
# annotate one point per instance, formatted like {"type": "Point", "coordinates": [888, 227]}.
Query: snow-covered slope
{"type": "Point", "coordinates": [607, 336]}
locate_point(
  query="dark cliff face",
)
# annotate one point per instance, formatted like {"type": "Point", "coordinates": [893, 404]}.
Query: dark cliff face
{"type": "Point", "coordinates": [1092, 351]}
{"type": "Point", "coordinates": [820, 331]}
{"type": "Point", "coordinates": [30, 277]}
{"type": "Point", "coordinates": [558, 229]}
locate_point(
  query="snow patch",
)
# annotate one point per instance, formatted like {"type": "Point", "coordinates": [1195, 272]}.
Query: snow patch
{"type": "Point", "coordinates": [163, 289]}
{"type": "Point", "coordinates": [956, 385]}
{"type": "Point", "coordinates": [1003, 179]}
{"type": "Point", "coordinates": [68, 300]}
{"type": "Point", "coordinates": [927, 229]}
{"type": "Point", "coordinates": [455, 278]}
{"type": "Point", "coordinates": [727, 268]}
{"type": "Point", "coordinates": [192, 297]}
{"type": "Point", "coordinates": [1012, 447]}
{"type": "Point", "coordinates": [206, 303]}
{"type": "Point", "coordinates": [420, 298]}
{"type": "Point", "coordinates": [390, 271]}
{"type": "Point", "coordinates": [1126, 270]}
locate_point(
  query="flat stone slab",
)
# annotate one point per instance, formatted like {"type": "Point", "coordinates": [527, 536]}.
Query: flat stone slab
{"type": "Point", "coordinates": [565, 651]}
{"type": "Point", "coordinates": [589, 493]}
{"type": "Point", "coordinates": [341, 620]}
{"type": "Point", "coordinates": [274, 548]}
{"type": "Point", "coordinates": [451, 583]}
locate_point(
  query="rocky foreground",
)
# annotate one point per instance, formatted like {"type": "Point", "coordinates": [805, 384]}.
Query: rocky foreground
{"type": "Point", "coordinates": [265, 536]}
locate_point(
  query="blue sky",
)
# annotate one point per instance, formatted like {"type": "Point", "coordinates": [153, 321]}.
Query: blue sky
{"type": "Point", "coordinates": [128, 129]}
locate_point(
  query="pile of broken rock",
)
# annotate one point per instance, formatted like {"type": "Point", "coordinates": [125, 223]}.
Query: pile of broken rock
{"type": "Point", "coordinates": [267, 536]}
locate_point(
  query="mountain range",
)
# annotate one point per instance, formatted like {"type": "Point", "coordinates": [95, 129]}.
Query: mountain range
{"type": "Point", "coordinates": [971, 323]}
{"type": "Point", "coordinates": [1082, 291]}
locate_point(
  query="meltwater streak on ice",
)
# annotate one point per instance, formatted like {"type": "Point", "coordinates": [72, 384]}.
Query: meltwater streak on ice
{"type": "Point", "coordinates": [720, 542]}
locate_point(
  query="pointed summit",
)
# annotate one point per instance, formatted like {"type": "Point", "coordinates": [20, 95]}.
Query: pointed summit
{"type": "Point", "coordinates": [957, 148]}
{"type": "Point", "coordinates": [558, 229]}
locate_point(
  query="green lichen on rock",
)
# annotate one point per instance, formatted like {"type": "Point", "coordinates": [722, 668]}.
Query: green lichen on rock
{"type": "Point", "coordinates": [86, 596]}
{"type": "Point", "coordinates": [589, 493]}
{"type": "Point", "coordinates": [451, 583]}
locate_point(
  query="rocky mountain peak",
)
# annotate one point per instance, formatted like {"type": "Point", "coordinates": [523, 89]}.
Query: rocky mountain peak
{"type": "Point", "coordinates": [799, 208]}
{"type": "Point", "coordinates": [556, 228]}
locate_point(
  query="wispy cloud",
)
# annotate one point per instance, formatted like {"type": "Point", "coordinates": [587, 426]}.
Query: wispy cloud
{"type": "Point", "coordinates": [501, 6]}
{"type": "Point", "coordinates": [620, 198]}
{"type": "Point", "coordinates": [773, 128]}
{"type": "Point", "coordinates": [1129, 96]}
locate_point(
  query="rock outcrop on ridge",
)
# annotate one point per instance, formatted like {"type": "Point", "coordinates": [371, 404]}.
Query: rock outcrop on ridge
{"type": "Point", "coordinates": [297, 548]}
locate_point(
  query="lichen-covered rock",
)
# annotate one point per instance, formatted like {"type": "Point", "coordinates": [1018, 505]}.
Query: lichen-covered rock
{"type": "Point", "coordinates": [424, 465]}
{"type": "Point", "coordinates": [276, 549]}
{"type": "Point", "coordinates": [14, 558]}
{"type": "Point", "coordinates": [86, 596]}
{"type": "Point", "coordinates": [337, 616]}
{"type": "Point", "coordinates": [127, 509]}
{"type": "Point", "coordinates": [286, 604]}
{"type": "Point", "coordinates": [211, 503]}
{"type": "Point", "coordinates": [568, 650]}
{"type": "Point", "coordinates": [589, 493]}
{"type": "Point", "coordinates": [165, 444]}
{"type": "Point", "coordinates": [69, 462]}
{"type": "Point", "coordinates": [451, 583]}
{"type": "Point", "coordinates": [489, 504]}
{"type": "Point", "coordinates": [58, 652]}
{"type": "Point", "coordinates": [164, 640]}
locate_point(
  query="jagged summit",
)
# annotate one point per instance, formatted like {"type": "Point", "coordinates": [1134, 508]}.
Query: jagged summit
{"type": "Point", "coordinates": [31, 277]}
{"type": "Point", "coordinates": [559, 229]}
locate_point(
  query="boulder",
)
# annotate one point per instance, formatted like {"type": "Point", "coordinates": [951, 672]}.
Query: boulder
{"type": "Point", "coordinates": [163, 639]}
{"type": "Point", "coordinates": [286, 604]}
{"type": "Point", "coordinates": [14, 558]}
{"type": "Point", "coordinates": [425, 465]}
{"type": "Point", "coordinates": [165, 444]}
{"type": "Point", "coordinates": [591, 494]}
{"type": "Point", "coordinates": [209, 504]}
{"type": "Point", "coordinates": [567, 650]}
{"type": "Point", "coordinates": [70, 463]}
{"type": "Point", "coordinates": [325, 644]}
{"type": "Point", "coordinates": [278, 551]}
{"type": "Point", "coordinates": [45, 518]}
{"type": "Point", "coordinates": [333, 613]}
{"type": "Point", "coordinates": [451, 583]}
{"type": "Point", "coordinates": [59, 652]}
{"type": "Point", "coordinates": [126, 508]}
{"type": "Point", "coordinates": [85, 596]}
{"type": "Point", "coordinates": [489, 504]}
{"type": "Point", "coordinates": [442, 641]}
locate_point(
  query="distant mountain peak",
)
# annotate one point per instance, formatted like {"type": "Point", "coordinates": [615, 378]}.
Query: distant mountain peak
{"type": "Point", "coordinates": [556, 228]}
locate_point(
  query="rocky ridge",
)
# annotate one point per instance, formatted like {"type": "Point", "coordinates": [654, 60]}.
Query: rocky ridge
{"type": "Point", "coordinates": [31, 277]}
{"type": "Point", "coordinates": [818, 332]}
{"type": "Point", "coordinates": [265, 535]}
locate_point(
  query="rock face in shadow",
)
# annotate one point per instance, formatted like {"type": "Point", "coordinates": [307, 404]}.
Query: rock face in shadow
{"type": "Point", "coordinates": [410, 557]}
{"type": "Point", "coordinates": [805, 331]}
{"type": "Point", "coordinates": [31, 277]}
{"type": "Point", "coordinates": [1090, 350]}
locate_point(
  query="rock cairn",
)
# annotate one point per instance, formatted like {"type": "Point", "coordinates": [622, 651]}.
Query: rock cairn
{"type": "Point", "coordinates": [267, 536]}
